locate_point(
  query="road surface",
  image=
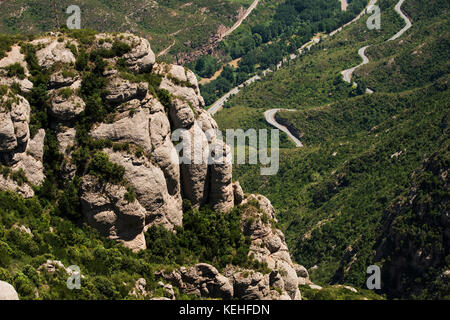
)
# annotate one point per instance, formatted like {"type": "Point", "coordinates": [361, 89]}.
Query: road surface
{"type": "Point", "coordinates": [219, 103]}
{"type": "Point", "coordinates": [347, 74]}
{"type": "Point", "coordinates": [239, 22]}
{"type": "Point", "coordinates": [398, 9]}
{"type": "Point", "coordinates": [270, 118]}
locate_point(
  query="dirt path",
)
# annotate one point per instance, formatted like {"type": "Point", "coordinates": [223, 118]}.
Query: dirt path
{"type": "Point", "coordinates": [234, 64]}
{"type": "Point", "coordinates": [166, 50]}
{"type": "Point", "coordinates": [239, 22]}
{"type": "Point", "coordinates": [344, 5]}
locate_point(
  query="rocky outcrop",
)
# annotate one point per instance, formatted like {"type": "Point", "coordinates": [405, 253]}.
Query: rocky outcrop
{"type": "Point", "coordinates": [169, 148]}
{"type": "Point", "coordinates": [53, 51]}
{"type": "Point", "coordinates": [7, 291]}
{"type": "Point", "coordinates": [202, 280]}
{"type": "Point", "coordinates": [149, 184]}
{"type": "Point", "coordinates": [181, 82]}
{"type": "Point", "coordinates": [8, 140]}
{"type": "Point", "coordinates": [139, 59]}
{"type": "Point", "coordinates": [17, 150]}
{"type": "Point", "coordinates": [130, 128]}
{"type": "Point", "coordinates": [60, 79]}
{"type": "Point", "coordinates": [238, 193]}
{"type": "Point", "coordinates": [66, 109]}
{"type": "Point", "coordinates": [106, 209]}
{"type": "Point", "coordinates": [121, 90]}
{"type": "Point", "coordinates": [14, 56]}
{"type": "Point", "coordinates": [221, 196]}
{"type": "Point", "coordinates": [268, 244]}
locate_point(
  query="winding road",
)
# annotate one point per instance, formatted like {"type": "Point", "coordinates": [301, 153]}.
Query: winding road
{"type": "Point", "coordinates": [398, 9]}
{"type": "Point", "coordinates": [347, 74]}
{"type": "Point", "coordinates": [270, 118]}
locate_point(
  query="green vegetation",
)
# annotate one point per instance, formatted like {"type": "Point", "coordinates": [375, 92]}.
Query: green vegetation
{"type": "Point", "coordinates": [109, 270]}
{"type": "Point", "coordinates": [337, 196]}
{"type": "Point", "coordinates": [206, 236]}
{"type": "Point", "coordinates": [15, 70]}
{"type": "Point", "coordinates": [166, 23]}
{"type": "Point", "coordinates": [337, 293]}
{"type": "Point", "coordinates": [263, 45]}
{"type": "Point", "coordinates": [205, 66]}
{"type": "Point", "coordinates": [101, 167]}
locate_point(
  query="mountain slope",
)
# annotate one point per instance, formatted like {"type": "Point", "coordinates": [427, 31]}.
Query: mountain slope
{"type": "Point", "coordinates": [360, 151]}
{"type": "Point", "coordinates": [164, 22]}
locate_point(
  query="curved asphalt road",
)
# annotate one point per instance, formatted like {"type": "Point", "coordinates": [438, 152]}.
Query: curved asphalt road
{"type": "Point", "coordinates": [398, 9]}
{"type": "Point", "coordinates": [270, 118]}
{"type": "Point", "coordinates": [347, 74]}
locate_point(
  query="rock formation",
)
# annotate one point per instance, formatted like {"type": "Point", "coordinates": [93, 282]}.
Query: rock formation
{"type": "Point", "coordinates": [157, 131]}
{"type": "Point", "coordinates": [7, 291]}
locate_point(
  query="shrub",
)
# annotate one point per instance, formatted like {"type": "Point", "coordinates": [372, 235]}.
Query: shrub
{"type": "Point", "coordinates": [107, 171]}
{"type": "Point", "coordinates": [15, 70]}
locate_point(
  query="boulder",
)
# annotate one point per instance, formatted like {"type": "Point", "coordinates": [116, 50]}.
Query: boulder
{"type": "Point", "coordinates": [141, 58]}
{"type": "Point", "coordinates": [7, 291]}
{"type": "Point", "coordinates": [238, 193]}
{"type": "Point", "coordinates": [202, 280]}
{"type": "Point", "coordinates": [53, 51]}
{"type": "Point", "coordinates": [59, 80]}
{"type": "Point", "coordinates": [181, 114]}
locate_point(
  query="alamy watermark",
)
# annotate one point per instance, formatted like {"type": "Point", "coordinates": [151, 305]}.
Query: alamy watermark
{"type": "Point", "coordinates": [374, 280]}
{"type": "Point", "coordinates": [74, 280]}
{"type": "Point", "coordinates": [74, 20]}
{"type": "Point", "coordinates": [197, 147]}
{"type": "Point", "coordinates": [374, 21]}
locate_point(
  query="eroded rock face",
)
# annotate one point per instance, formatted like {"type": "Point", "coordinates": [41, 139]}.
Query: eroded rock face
{"type": "Point", "coordinates": [133, 129]}
{"type": "Point", "coordinates": [8, 140]}
{"type": "Point", "coordinates": [17, 150]}
{"type": "Point", "coordinates": [170, 151]}
{"type": "Point", "coordinates": [139, 59]}
{"type": "Point", "coordinates": [15, 57]}
{"type": "Point", "coordinates": [66, 109]}
{"type": "Point", "coordinates": [151, 190]}
{"type": "Point", "coordinates": [202, 280]}
{"type": "Point", "coordinates": [107, 210]}
{"type": "Point", "coordinates": [268, 243]}
{"type": "Point", "coordinates": [121, 90]}
{"type": "Point", "coordinates": [52, 52]}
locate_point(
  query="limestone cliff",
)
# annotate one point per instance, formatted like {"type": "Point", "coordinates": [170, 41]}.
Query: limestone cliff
{"type": "Point", "coordinates": [151, 109]}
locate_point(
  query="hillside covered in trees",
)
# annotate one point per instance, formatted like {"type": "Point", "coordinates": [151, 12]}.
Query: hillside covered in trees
{"type": "Point", "coordinates": [370, 184]}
